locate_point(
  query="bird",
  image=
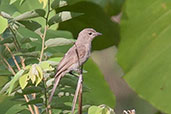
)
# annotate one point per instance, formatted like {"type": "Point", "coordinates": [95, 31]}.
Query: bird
{"type": "Point", "coordinates": [75, 57]}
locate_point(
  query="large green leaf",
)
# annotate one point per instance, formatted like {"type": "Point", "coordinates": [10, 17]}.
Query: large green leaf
{"type": "Point", "coordinates": [15, 109]}
{"type": "Point", "coordinates": [93, 17]}
{"type": "Point", "coordinates": [99, 92]}
{"type": "Point", "coordinates": [6, 103]}
{"type": "Point", "coordinates": [145, 50]}
{"type": "Point", "coordinates": [111, 7]}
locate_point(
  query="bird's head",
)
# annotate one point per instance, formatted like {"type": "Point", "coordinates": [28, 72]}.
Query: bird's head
{"type": "Point", "coordinates": [88, 34]}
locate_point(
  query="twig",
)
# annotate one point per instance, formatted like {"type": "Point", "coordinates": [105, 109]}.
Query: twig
{"type": "Point", "coordinates": [30, 108]}
{"type": "Point", "coordinates": [9, 66]}
{"type": "Point", "coordinates": [48, 107]}
{"type": "Point", "coordinates": [35, 107]}
{"type": "Point", "coordinates": [13, 57]}
{"type": "Point", "coordinates": [43, 43]}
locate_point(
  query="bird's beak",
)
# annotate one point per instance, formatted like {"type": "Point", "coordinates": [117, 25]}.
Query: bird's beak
{"type": "Point", "coordinates": [98, 34]}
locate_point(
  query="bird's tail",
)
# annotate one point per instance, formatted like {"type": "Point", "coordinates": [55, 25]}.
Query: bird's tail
{"type": "Point", "coordinates": [57, 79]}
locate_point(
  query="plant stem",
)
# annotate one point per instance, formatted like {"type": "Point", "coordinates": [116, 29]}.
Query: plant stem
{"type": "Point", "coordinates": [9, 66]}
{"type": "Point", "coordinates": [13, 57]}
{"type": "Point", "coordinates": [30, 108]}
{"type": "Point", "coordinates": [43, 43]}
{"type": "Point", "coordinates": [41, 56]}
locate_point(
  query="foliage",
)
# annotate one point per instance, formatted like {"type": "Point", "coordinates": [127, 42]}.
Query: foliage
{"type": "Point", "coordinates": [144, 50]}
{"type": "Point", "coordinates": [31, 46]}
{"type": "Point", "coordinates": [102, 109]}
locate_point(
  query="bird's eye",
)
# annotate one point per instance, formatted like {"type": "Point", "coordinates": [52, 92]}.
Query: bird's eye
{"type": "Point", "coordinates": [90, 33]}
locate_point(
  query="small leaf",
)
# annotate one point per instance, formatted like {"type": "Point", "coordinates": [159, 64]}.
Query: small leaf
{"type": "Point", "coordinates": [4, 24]}
{"type": "Point", "coordinates": [46, 66]}
{"type": "Point", "coordinates": [13, 81]}
{"type": "Point", "coordinates": [30, 14]}
{"type": "Point", "coordinates": [63, 16]}
{"type": "Point", "coordinates": [34, 101]}
{"type": "Point", "coordinates": [44, 2]}
{"type": "Point", "coordinates": [58, 3]}
{"type": "Point", "coordinates": [22, 1]}
{"type": "Point", "coordinates": [15, 109]}
{"type": "Point", "coordinates": [12, 1]}
{"type": "Point", "coordinates": [93, 110]}
{"type": "Point", "coordinates": [30, 24]}
{"type": "Point", "coordinates": [40, 75]}
{"type": "Point", "coordinates": [29, 54]}
{"type": "Point", "coordinates": [25, 40]}
{"type": "Point", "coordinates": [33, 73]}
{"type": "Point", "coordinates": [6, 40]}
{"type": "Point", "coordinates": [23, 81]}
{"type": "Point", "coordinates": [33, 89]}
{"type": "Point", "coordinates": [58, 42]}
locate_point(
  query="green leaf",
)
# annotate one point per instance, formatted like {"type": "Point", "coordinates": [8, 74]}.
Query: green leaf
{"type": "Point", "coordinates": [58, 42]}
{"type": "Point", "coordinates": [15, 109]}
{"type": "Point", "coordinates": [111, 7]}
{"type": "Point", "coordinates": [99, 92]}
{"type": "Point", "coordinates": [94, 110]}
{"type": "Point", "coordinates": [6, 103]}
{"type": "Point", "coordinates": [94, 17]}
{"type": "Point", "coordinates": [14, 80]}
{"type": "Point", "coordinates": [40, 75]}
{"type": "Point", "coordinates": [29, 54]}
{"type": "Point", "coordinates": [33, 73]}
{"type": "Point", "coordinates": [63, 16]}
{"type": "Point", "coordinates": [4, 24]}
{"type": "Point", "coordinates": [102, 109]}
{"type": "Point", "coordinates": [30, 14]}
{"type": "Point", "coordinates": [23, 81]}
{"type": "Point", "coordinates": [46, 66]}
{"type": "Point", "coordinates": [32, 89]}
{"type": "Point", "coordinates": [5, 73]}
{"type": "Point", "coordinates": [6, 40]}
{"type": "Point", "coordinates": [30, 24]}
{"type": "Point", "coordinates": [34, 101]}
{"type": "Point", "coordinates": [144, 50]}
{"type": "Point", "coordinates": [12, 1]}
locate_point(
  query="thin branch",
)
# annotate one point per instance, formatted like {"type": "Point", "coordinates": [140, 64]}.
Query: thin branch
{"type": "Point", "coordinates": [9, 66]}
{"type": "Point", "coordinates": [13, 57]}
{"type": "Point", "coordinates": [29, 106]}
{"type": "Point", "coordinates": [43, 43]}
{"type": "Point", "coordinates": [35, 107]}
{"type": "Point", "coordinates": [48, 110]}
{"type": "Point", "coordinates": [22, 62]}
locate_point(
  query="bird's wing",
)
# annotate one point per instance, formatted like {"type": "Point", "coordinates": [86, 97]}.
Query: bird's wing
{"type": "Point", "coordinates": [71, 57]}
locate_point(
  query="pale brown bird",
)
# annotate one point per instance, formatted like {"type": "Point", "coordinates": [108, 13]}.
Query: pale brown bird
{"type": "Point", "coordinates": [76, 56]}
